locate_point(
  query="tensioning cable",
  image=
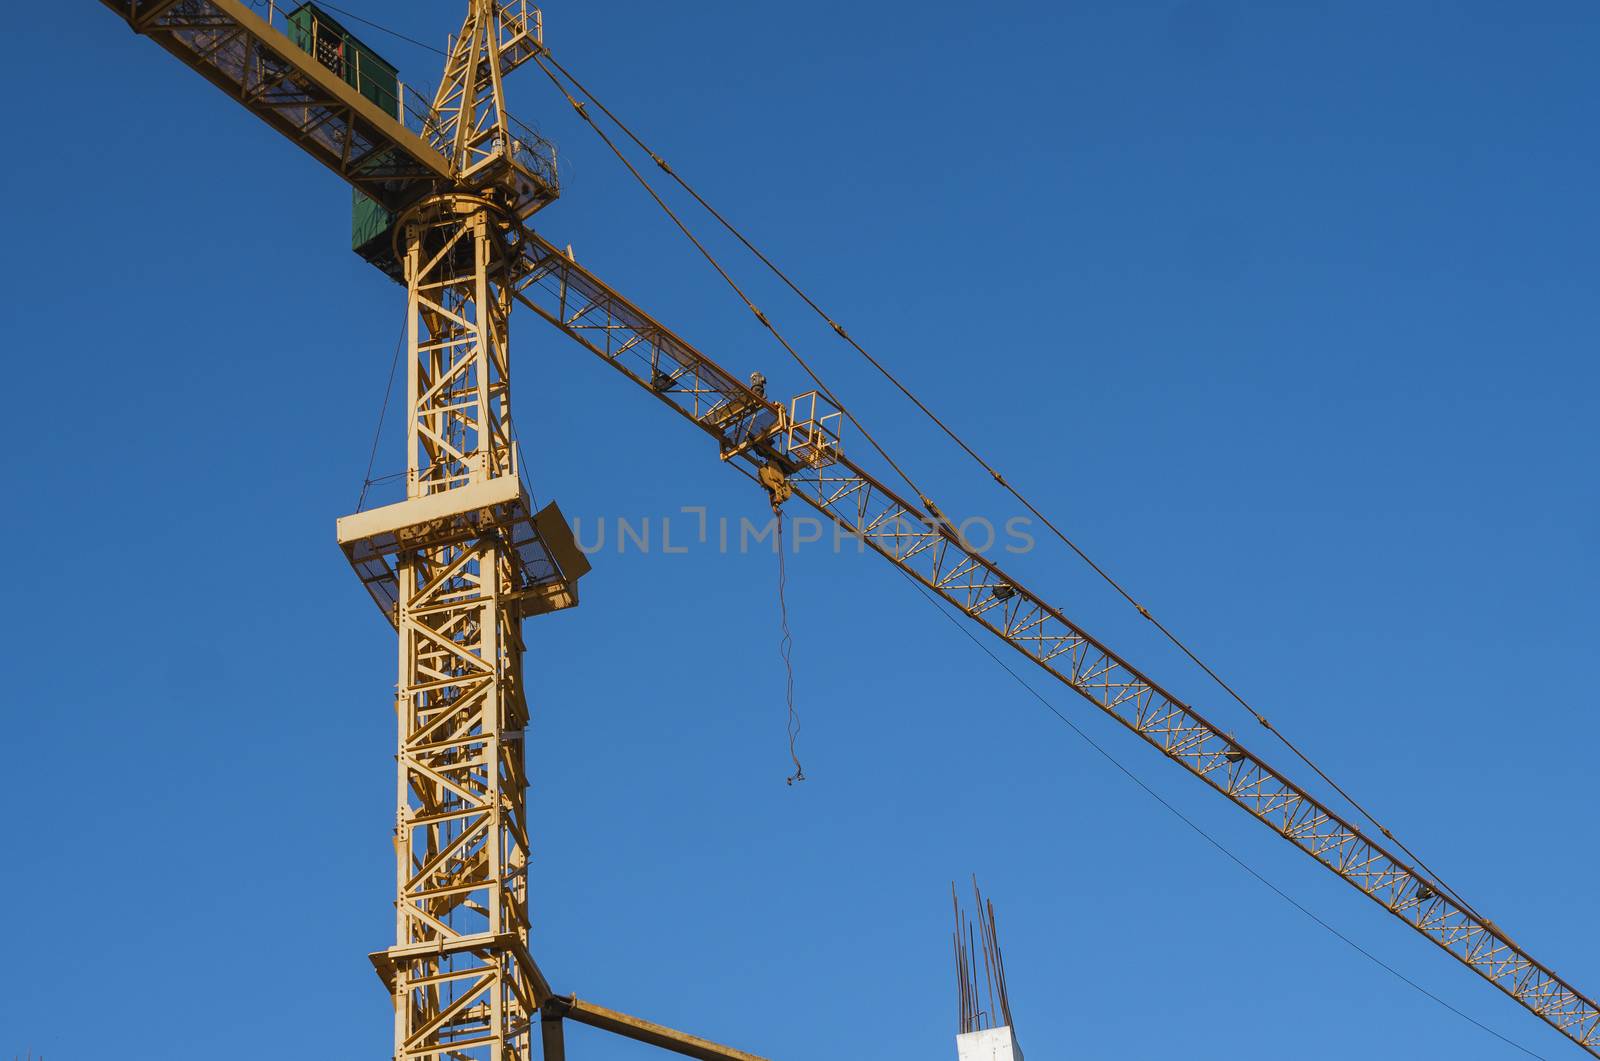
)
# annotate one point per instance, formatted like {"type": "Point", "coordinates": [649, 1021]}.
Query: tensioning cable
{"type": "Point", "coordinates": [794, 354]}
{"type": "Point", "coordinates": [971, 452]}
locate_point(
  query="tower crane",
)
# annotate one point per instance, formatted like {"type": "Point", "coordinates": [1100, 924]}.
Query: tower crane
{"type": "Point", "coordinates": [447, 187]}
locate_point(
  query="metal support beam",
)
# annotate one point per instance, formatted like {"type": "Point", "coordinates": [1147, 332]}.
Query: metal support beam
{"type": "Point", "coordinates": [573, 1008]}
{"type": "Point", "coordinates": [553, 1036]}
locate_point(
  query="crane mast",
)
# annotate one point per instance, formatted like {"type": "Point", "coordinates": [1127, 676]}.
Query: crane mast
{"type": "Point", "coordinates": [460, 971]}
{"type": "Point", "coordinates": [457, 565]}
{"type": "Point", "coordinates": [463, 980]}
{"type": "Point", "coordinates": [464, 563]}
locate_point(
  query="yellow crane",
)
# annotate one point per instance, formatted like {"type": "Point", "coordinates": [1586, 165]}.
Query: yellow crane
{"type": "Point", "coordinates": [446, 185]}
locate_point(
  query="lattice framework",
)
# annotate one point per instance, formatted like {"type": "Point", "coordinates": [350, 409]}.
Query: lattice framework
{"type": "Point", "coordinates": [461, 974]}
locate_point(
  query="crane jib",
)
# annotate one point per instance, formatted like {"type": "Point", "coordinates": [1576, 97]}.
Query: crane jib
{"type": "Point", "coordinates": [926, 547]}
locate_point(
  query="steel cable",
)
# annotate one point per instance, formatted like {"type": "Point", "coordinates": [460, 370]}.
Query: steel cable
{"type": "Point", "coordinates": [822, 387]}
{"type": "Point", "coordinates": [786, 648]}
{"type": "Point", "coordinates": [1186, 820]}
{"type": "Point", "coordinates": [383, 411]}
{"type": "Point", "coordinates": [382, 28]}
{"type": "Point", "coordinates": [1000, 479]}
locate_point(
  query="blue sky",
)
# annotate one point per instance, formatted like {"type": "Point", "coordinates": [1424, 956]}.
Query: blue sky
{"type": "Point", "coordinates": [1287, 315]}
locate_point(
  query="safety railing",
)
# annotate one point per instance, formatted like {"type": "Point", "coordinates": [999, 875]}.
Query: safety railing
{"type": "Point", "coordinates": [812, 433]}
{"type": "Point", "coordinates": [532, 153]}
{"type": "Point", "coordinates": [515, 22]}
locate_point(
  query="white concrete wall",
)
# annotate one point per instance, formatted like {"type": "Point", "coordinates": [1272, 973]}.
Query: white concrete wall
{"type": "Point", "coordinates": [991, 1044]}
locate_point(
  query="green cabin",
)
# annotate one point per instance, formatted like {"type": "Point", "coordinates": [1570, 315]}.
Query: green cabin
{"type": "Point", "coordinates": [317, 34]}
{"type": "Point", "coordinates": [323, 37]}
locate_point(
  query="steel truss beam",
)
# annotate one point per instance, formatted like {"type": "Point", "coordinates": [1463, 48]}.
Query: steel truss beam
{"type": "Point", "coordinates": [570, 1007]}
{"type": "Point", "coordinates": [260, 68]}
{"type": "Point", "coordinates": [928, 548]}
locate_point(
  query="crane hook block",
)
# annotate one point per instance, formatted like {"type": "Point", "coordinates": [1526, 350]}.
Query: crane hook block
{"type": "Point", "coordinates": [773, 481]}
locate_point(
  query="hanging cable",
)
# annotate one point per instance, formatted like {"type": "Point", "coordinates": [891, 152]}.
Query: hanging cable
{"type": "Point", "coordinates": [1015, 493]}
{"type": "Point", "coordinates": [785, 648]}
{"type": "Point", "coordinates": [367, 480]}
